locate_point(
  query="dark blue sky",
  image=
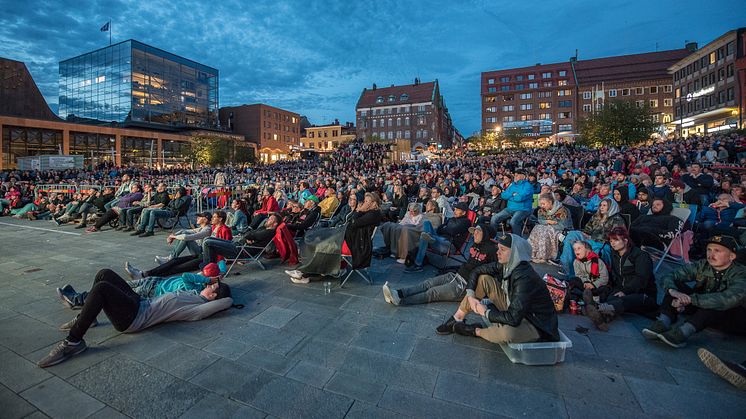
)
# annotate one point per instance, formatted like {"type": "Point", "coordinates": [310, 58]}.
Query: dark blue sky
{"type": "Point", "coordinates": [315, 57]}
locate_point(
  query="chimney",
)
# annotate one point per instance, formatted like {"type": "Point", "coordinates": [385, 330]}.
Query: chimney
{"type": "Point", "coordinates": [690, 46]}
{"type": "Point", "coordinates": [573, 59]}
{"type": "Point", "coordinates": [336, 121]}
{"type": "Point", "coordinates": [374, 86]}
{"type": "Point", "coordinates": [416, 81]}
{"type": "Point", "coordinates": [538, 64]}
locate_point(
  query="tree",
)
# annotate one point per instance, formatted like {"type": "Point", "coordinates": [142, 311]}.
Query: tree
{"type": "Point", "coordinates": [211, 151]}
{"type": "Point", "coordinates": [484, 141]}
{"type": "Point", "coordinates": [617, 124]}
{"type": "Point", "coordinates": [513, 136]}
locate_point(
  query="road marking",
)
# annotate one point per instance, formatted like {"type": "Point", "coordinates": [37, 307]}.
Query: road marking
{"type": "Point", "coordinates": [42, 229]}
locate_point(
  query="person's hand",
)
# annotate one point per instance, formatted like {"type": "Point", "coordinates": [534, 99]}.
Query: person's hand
{"type": "Point", "coordinates": [684, 299]}
{"type": "Point", "coordinates": [473, 304]}
{"type": "Point", "coordinates": [551, 222]}
{"type": "Point", "coordinates": [619, 294]}
{"type": "Point", "coordinates": [586, 236]}
{"type": "Point", "coordinates": [481, 309]}
{"type": "Point", "coordinates": [588, 286]}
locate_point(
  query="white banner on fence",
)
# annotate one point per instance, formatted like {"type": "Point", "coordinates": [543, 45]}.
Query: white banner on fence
{"type": "Point", "coordinates": [61, 162]}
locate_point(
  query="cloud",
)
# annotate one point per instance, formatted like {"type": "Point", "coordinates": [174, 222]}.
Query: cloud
{"type": "Point", "coordinates": [315, 58]}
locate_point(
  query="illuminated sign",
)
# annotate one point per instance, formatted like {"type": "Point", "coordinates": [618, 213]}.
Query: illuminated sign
{"type": "Point", "coordinates": [699, 93]}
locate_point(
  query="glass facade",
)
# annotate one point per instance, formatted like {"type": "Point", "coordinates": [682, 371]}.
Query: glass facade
{"type": "Point", "coordinates": [95, 148]}
{"type": "Point", "coordinates": [133, 83]}
{"type": "Point", "coordinates": [21, 142]}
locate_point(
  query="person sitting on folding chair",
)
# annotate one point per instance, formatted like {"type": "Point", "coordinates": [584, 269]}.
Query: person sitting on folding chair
{"type": "Point", "coordinates": [451, 233]}
{"type": "Point", "coordinates": [257, 240]}
{"type": "Point", "coordinates": [716, 299]}
{"type": "Point", "coordinates": [161, 205]}
{"type": "Point", "coordinates": [658, 226]}
{"type": "Point", "coordinates": [310, 214]}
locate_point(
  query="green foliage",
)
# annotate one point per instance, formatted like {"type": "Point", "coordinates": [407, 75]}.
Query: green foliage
{"type": "Point", "coordinates": [374, 139]}
{"type": "Point", "coordinates": [617, 124]}
{"type": "Point", "coordinates": [513, 136]}
{"type": "Point", "coordinates": [210, 150]}
{"type": "Point", "coordinates": [486, 141]}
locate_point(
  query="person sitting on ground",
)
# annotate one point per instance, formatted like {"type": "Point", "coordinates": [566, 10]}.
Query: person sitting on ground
{"type": "Point", "coordinates": [96, 203]}
{"type": "Point", "coordinates": [128, 216]}
{"type": "Point", "coordinates": [729, 371]}
{"type": "Point", "coordinates": [150, 284]}
{"type": "Point", "coordinates": [519, 308]}
{"type": "Point", "coordinates": [595, 232]}
{"type": "Point", "coordinates": [656, 228]}
{"type": "Point", "coordinates": [125, 202]}
{"type": "Point", "coordinates": [308, 217]}
{"type": "Point", "coordinates": [452, 233]}
{"type": "Point", "coordinates": [190, 238]}
{"type": "Point", "coordinates": [716, 299]}
{"type": "Point", "coordinates": [237, 221]}
{"type": "Point", "coordinates": [214, 248]}
{"type": "Point", "coordinates": [158, 201]}
{"type": "Point", "coordinates": [519, 196]}
{"type": "Point", "coordinates": [71, 209]}
{"type": "Point", "coordinates": [269, 205]}
{"type": "Point", "coordinates": [552, 219]}
{"type": "Point", "coordinates": [128, 312]}
{"type": "Point", "coordinates": [631, 288]}
{"type": "Point", "coordinates": [329, 204]}
{"type": "Point", "coordinates": [625, 207]}
{"type": "Point", "coordinates": [151, 215]}
{"type": "Point", "coordinates": [591, 273]}
{"type": "Point", "coordinates": [450, 286]}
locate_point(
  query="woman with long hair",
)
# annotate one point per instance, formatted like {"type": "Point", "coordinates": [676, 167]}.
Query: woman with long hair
{"type": "Point", "coordinates": [552, 219]}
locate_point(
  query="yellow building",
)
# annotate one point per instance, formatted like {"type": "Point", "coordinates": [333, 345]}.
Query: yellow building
{"type": "Point", "coordinates": [327, 137]}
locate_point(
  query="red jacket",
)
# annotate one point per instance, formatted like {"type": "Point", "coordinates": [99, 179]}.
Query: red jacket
{"type": "Point", "coordinates": [224, 232]}
{"type": "Point", "coordinates": [269, 204]}
{"type": "Point", "coordinates": [285, 245]}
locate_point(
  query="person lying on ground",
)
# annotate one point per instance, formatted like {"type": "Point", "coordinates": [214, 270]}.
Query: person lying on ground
{"type": "Point", "coordinates": [129, 312]}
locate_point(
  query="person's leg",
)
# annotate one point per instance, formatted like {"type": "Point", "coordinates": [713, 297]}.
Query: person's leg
{"type": "Point", "coordinates": [499, 218]}
{"type": "Point", "coordinates": [567, 256]}
{"type": "Point", "coordinates": [516, 221]}
{"type": "Point", "coordinates": [144, 219]}
{"type": "Point", "coordinates": [179, 246]}
{"type": "Point", "coordinates": [3, 203]}
{"type": "Point", "coordinates": [257, 220]}
{"type": "Point", "coordinates": [633, 303]}
{"type": "Point", "coordinates": [106, 218]}
{"type": "Point", "coordinates": [111, 203]}
{"type": "Point", "coordinates": [175, 266]}
{"type": "Point", "coordinates": [426, 284]}
{"type": "Point", "coordinates": [156, 214]}
{"type": "Point", "coordinates": [123, 217]}
{"type": "Point", "coordinates": [499, 333]}
{"type": "Point", "coordinates": [445, 287]}
{"type": "Point", "coordinates": [212, 247]}
{"type": "Point", "coordinates": [194, 248]}
{"type": "Point", "coordinates": [111, 294]}
{"type": "Point", "coordinates": [133, 214]}
{"type": "Point", "coordinates": [421, 251]}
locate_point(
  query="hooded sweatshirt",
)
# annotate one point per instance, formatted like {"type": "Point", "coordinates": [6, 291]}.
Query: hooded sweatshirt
{"type": "Point", "coordinates": [626, 207]}
{"type": "Point", "coordinates": [176, 306]}
{"type": "Point", "coordinates": [661, 223]}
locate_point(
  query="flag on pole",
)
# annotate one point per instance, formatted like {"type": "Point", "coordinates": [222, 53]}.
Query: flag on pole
{"type": "Point", "coordinates": [105, 28]}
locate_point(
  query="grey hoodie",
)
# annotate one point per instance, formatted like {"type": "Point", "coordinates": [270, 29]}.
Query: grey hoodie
{"type": "Point", "coordinates": [176, 306]}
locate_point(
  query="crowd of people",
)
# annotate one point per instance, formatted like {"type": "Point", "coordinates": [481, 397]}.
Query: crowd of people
{"type": "Point", "coordinates": [593, 213]}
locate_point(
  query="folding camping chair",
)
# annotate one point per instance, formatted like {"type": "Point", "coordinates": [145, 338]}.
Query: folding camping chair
{"type": "Point", "coordinates": [453, 253]}
{"type": "Point", "coordinates": [665, 254]}
{"type": "Point", "coordinates": [347, 258]}
{"type": "Point", "coordinates": [244, 255]}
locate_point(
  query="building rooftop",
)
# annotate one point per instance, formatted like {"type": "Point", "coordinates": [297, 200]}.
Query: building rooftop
{"type": "Point", "coordinates": [646, 66]}
{"type": "Point", "coordinates": [415, 93]}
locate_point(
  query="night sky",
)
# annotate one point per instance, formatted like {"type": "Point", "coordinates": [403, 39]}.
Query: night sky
{"type": "Point", "coordinates": [315, 57]}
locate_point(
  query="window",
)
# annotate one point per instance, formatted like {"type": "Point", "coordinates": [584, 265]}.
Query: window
{"type": "Point", "coordinates": [404, 97]}
{"type": "Point", "coordinates": [489, 109]}
{"type": "Point", "coordinates": [667, 102]}
{"type": "Point", "coordinates": [653, 89]}
{"type": "Point", "coordinates": [531, 76]}
{"type": "Point", "coordinates": [562, 83]}
{"type": "Point", "coordinates": [518, 78]}
{"type": "Point", "coordinates": [599, 106]}
{"type": "Point", "coordinates": [274, 137]}
{"type": "Point", "coordinates": [639, 90]}
{"type": "Point", "coordinates": [640, 103]}
{"type": "Point", "coordinates": [526, 106]}
{"type": "Point", "coordinates": [518, 87]}
{"type": "Point", "coordinates": [712, 57]}
{"type": "Point", "coordinates": [678, 92]}
{"type": "Point", "coordinates": [363, 113]}
{"type": "Point", "coordinates": [490, 81]}
{"type": "Point", "coordinates": [525, 96]}
{"type": "Point", "coordinates": [565, 103]}
{"type": "Point", "coordinates": [391, 135]}
{"type": "Point", "coordinates": [508, 118]}
{"type": "Point", "coordinates": [398, 134]}
{"type": "Point", "coordinates": [587, 108]}
{"type": "Point", "coordinates": [545, 105]}
{"type": "Point", "coordinates": [625, 92]}
{"type": "Point", "coordinates": [493, 90]}
{"type": "Point", "coordinates": [420, 120]}
{"type": "Point", "coordinates": [421, 108]}
{"type": "Point", "coordinates": [383, 123]}
{"type": "Point", "coordinates": [379, 99]}
{"type": "Point", "coordinates": [547, 84]}
{"type": "Point", "coordinates": [527, 117]}
{"type": "Point", "coordinates": [546, 75]}
{"type": "Point", "coordinates": [730, 94]}
{"type": "Point", "coordinates": [504, 79]}
{"type": "Point", "coordinates": [398, 120]}
{"type": "Point", "coordinates": [392, 98]}
{"type": "Point", "coordinates": [545, 116]}
{"type": "Point", "coordinates": [391, 122]}
{"type": "Point", "coordinates": [502, 88]}
{"type": "Point", "coordinates": [564, 115]}
{"type": "Point", "coordinates": [562, 73]}
{"type": "Point", "coordinates": [533, 85]}
{"type": "Point", "coordinates": [564, 93]}
{"type": "Point", "coordinates": [508, 108]}
{"type": "Point", "coordinates": [406, 122]}
{"type": "Point", "coordinates": [490, 99]}
{"type": "Point", "coordinates": [407, 134]}
{"type": "Point", "coordinates": [653, 103]}
{"type": "Point", "coordinates": [612, 93]}
{"type": "Point", "coordinates": [729, 70]}
{"type": "Point", "coordinates": [507, 98]}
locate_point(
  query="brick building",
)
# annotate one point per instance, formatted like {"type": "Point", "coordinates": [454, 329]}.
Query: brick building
{"type": "Point", "coordinates": [549, 99]}
{"type": "Point", "coordinates": [275, 131]}
{"type": "Point", "coordinates": [327, 137]}
{"type": "Point", "coordinates": [415, 112]}
{"type": "Point", "coordinates": [710, 86]}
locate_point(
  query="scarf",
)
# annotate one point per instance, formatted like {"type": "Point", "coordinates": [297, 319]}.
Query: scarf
{"type": "Point", "coordinates": [557, 205]}
{"type": "Point", "coordinates": [593, 257]}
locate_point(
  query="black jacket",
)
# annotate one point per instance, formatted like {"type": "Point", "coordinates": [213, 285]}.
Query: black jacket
{"type": "Point", "coordinates": [306, 221]}
{"type": "Point", "coordinates": [260, 237]}
{"type": "Point", "coordinates": [455, 230]}
{"type": "Point", "coordinates": [528, 296]}
{"type": "Point", "coordinates": [358, 236]}
{"type": "Point", "coordinates": [632, 273]}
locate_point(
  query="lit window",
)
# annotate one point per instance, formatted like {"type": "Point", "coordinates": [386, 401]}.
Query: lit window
{"type": "Point", "coordinates": [404, 97]}
{"type": "Point", "coordinates": [379, 99]}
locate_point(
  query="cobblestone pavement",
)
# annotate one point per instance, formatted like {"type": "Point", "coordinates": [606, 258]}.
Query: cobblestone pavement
{"type": "Point", "coordinates": [295, 352]}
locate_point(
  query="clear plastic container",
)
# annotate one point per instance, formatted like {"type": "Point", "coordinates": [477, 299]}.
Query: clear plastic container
{"type": "Point", "coordinates": [538, 353]}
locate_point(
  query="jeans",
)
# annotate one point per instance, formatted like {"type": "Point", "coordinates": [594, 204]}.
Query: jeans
{"type": "Point", "coordinates": [212, 247]}
{"type": "Point", "coordinates": [114, 296]}
{"type": "Point", "coordinates": [447, 287]}
{"type": "Point", "coordinates": [180, 245]}
{"type": "Point", "coordinates": [567, 257]}
{"type": "Point", "coordinates": [111, 203]}
{"type": "Point", "coordinates": [633, 303]}
{"type": "Point", "coordinates": [108, 216]}
{"type": "Point", "coordinates": [150, 215]}
{"type": "Point", "coordinates": [175, 266]}
{"type": "Point", "coordinates": [24, 209]}
{"type": "Point", "coordinates": [3, 203]}
{"type": "Point", "coordinates": [516, 220]}
{"type": "Point", "coordinates": [131, 215]}
{"type": "Point", "coordinates": [730, 321]}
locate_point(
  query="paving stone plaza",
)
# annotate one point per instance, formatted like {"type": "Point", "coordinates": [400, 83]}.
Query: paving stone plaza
{"type": "Point", "coordinates": [295, 352]}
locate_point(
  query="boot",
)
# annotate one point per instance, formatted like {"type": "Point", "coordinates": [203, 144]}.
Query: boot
{"type": "Point", "coordinates": [591, 311]}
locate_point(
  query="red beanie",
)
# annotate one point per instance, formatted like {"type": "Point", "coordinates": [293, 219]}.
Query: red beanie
{"type": "Point", "coordinates": [211, 270]}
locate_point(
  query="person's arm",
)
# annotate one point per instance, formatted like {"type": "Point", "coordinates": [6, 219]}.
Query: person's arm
{"type": "Point", "coordinates": [193, 234]}
{"type": "Point", "coordinates": [677, 279]}
{"type": "Point", "coordinates": [363, 219]}
{"type": "Point", "coordinates": [642, 277]}
{"type": "Point", "coordinates": [518, 308]}
{"type": "Point", "coordinates": [202, 309]}
{"type": "Point", "coordinates": [493, 269]}
{"type": "Point", "coordinates": [195, 279]}
{"type": "Point", "coordinates": [731, 297]}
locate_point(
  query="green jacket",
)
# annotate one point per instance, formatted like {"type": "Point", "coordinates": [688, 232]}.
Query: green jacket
{"type": "Point", "coordinates": [707, 292]}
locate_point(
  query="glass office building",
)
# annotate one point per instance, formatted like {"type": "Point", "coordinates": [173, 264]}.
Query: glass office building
{"type": "Point", "coordinates": [131, 83]}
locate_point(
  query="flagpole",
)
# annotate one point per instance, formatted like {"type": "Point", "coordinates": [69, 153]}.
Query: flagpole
{"type": "Point", "coordinates": [110, 29]}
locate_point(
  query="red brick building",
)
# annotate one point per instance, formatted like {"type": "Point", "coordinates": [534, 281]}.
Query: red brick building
{"type": "Point", "coordinates": [415, 112]}
{"type": "Point", "coordinates": [275, 131]}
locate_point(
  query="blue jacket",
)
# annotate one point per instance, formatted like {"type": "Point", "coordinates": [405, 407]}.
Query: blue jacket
{"type": "Point", "coordinates": [520, 196]}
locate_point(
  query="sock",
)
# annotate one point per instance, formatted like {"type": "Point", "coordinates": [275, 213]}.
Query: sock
{"type": "Point", "coordinates": [71, 342]}
{"type": "Point", "coordinates": [664, 319]}
{"type": "Point", "coordinates": [454, 318]}
{"type": "Point", "coordinates": [687, 329]}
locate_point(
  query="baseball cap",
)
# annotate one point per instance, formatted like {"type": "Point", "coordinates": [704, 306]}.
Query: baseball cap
{"type": "Point", "coordinates": [211, 270]}
{"type": "Point", "coordinates": [205, 214]}
{"type": "Point", "coordinates": [485, 228]}
{"type": "Point", "coordinates": [506, 240]}
{"type": "Point", "coordinates": [463, 206]}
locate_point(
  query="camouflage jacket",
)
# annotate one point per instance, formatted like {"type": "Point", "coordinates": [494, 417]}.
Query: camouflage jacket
{"type": "Point", "coordinates": [708, 292]}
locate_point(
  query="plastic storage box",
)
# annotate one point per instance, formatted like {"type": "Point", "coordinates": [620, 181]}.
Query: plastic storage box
{"type": "Point", "coordinates": [538, 353]}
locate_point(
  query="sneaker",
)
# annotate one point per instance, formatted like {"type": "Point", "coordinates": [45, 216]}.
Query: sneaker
{"type": "Point", "coordinates": [133, 272]}
{"type": "Point", "coordinates": [137, 232]}
{"type": "Point", "coordinates": [301, 280]}
{"type": "Point", "coordinates": [69, 325]}
{"type": "Point", "coordinates": [162, 259]}
{"type": "Point", "coordinates": [56, 221]}
{"type": "Point", "coordinates": [607, 309]}
{"type": "Point", "coordinates": [729, 371]}
{"type": "Point", "coordinates": [655, 330]}
{"type": "Point", "coordinates": [386, 292]}
{"type": "Point", "coordinates": [414, 268]}
{"type": "Point", "coordinates": [448, 327]}
{"type": "Point", "coordinates": [62, 352]}
{"type": "Point", "coordinates": [294, 273]}
{"type": "Point", "coordinates": [147, 234]}
{"type": "Point", "coordinates": [674, 338]}
{"type": "Point", "coordinates": [128, 229]}
{"type": "Point", "coordinates": [402, 261]}
{"type": "Point", "coordinates": [555, 262]}
{"type": "Point", "coordinates": [67, 294]}
{"type": "Point", "coordinates": [465, 329]}
{"type": "Point", "coordinates": [427, 237]}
